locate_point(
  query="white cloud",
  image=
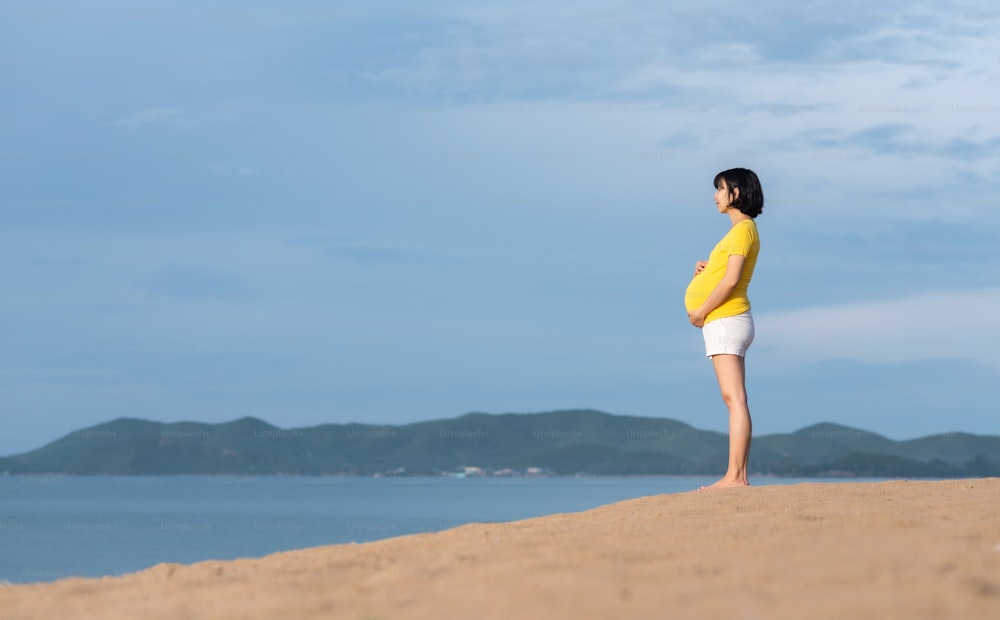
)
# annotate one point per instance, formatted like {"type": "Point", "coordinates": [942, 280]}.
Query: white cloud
{"type": "Point", "coordinates": [938, 325]}
{"type": "Point", "coordinates": [800, 101]}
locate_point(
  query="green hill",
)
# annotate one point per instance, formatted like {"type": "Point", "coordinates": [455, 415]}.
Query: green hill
{"type": "Point", "coordinates": [562, 442]}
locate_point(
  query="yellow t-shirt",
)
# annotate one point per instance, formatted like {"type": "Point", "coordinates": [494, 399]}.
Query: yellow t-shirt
{"type": "Point", "coordinates": [741, 239]}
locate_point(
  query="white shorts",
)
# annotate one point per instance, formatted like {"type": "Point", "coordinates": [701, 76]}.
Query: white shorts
{"type": "Point", "coordinates": [729, 335]}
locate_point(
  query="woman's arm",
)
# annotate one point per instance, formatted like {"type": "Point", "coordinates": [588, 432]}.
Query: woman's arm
{"type": "Point", "coordinates": [734, 269]}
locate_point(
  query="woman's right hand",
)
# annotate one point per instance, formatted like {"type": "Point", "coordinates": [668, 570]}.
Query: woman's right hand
{"type": "Point", "coordinates": [699, 266]}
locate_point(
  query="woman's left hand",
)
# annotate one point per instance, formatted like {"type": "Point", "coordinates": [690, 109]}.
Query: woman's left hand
{"type": "Point", "coordinates": [697, 319]}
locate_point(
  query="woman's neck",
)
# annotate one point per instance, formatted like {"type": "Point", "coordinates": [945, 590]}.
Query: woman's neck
{"type": "Point", "coordinates": [737, 216]}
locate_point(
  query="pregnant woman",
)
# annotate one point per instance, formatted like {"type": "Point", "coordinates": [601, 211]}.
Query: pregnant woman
{"type": "Point", "coordinates": [717, 303]}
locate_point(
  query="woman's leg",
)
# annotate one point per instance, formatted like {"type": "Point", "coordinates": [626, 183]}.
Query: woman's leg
{"type": "Point", "coordinates": [730, 370]}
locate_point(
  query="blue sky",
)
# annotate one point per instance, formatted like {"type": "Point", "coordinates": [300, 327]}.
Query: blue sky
{"type": "Point", "coordinates": [329, 212]}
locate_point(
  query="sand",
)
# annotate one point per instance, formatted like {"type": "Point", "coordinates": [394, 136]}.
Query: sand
{"type": "Point", "coordinates": [857, 550]}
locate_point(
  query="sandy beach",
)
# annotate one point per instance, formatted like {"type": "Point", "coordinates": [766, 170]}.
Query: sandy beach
{"type": "Point", "coordinates": [857, 550]}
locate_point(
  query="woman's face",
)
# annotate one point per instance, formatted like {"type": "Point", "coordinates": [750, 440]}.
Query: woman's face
{"type": "Point", "coordinates": [723, 200]}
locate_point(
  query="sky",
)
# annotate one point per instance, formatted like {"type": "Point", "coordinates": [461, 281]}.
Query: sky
{"type": "Point", "coordinates": [388, 212]}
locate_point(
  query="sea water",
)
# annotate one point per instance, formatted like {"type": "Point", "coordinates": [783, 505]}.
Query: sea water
{"type": "Point", "coordinates": [55, 526]}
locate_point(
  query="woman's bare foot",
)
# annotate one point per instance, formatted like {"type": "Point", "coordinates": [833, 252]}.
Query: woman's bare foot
{"type": "Point", "coordinates": [726, 483]}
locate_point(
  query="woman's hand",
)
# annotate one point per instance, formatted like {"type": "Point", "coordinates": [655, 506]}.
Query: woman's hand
{"type": "Point", "coordinates": [697, 318]}
{"type": "Point", "coordinates": [699, 266]}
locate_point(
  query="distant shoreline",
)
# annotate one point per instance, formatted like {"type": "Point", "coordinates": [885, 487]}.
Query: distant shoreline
{"type": "Point", "coordinates": [569, 442]}
{"type": "Point", "coordinates": [838, 477]}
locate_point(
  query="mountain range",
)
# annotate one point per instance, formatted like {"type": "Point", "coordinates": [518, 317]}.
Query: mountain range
{"type": "Point", "coordinates": [569, 442]}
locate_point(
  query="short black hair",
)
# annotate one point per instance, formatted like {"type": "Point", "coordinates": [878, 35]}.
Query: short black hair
{"type": "Point", "coordinates": [751, 198]}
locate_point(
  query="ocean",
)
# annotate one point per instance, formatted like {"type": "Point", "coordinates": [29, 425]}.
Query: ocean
{"type": "Point", "coordinates": [55, 526]}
